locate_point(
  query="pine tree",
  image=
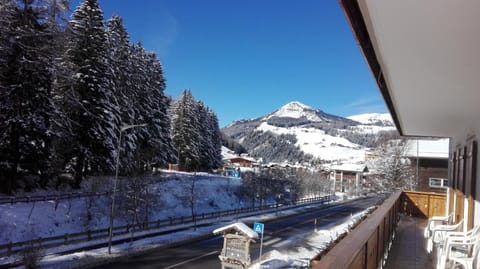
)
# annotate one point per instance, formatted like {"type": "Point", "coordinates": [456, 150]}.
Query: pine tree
{"type": "Point", "coordinates": [26, 104]}
{"type": "Point", "coordinates": [92, 106]}
{"type": "Point", "coordinates": [121, 62]}
{"type": "Point", "coordinates": [216, 140]}
{"type": "Point", "coordinates": [204, 139]}
{"type": "Point", "coordinates": [184, 132]}
{"type": "Point", "coordinates": [155, 145]}
{"type": "Point", "coordinates": [210, 138]}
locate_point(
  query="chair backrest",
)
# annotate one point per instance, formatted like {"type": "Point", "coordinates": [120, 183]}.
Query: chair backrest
{"type": "Point", "coordinates": [451, 217]}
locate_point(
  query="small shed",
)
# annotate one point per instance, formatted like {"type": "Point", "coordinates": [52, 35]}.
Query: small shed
{"type": "Point", "coordinates": [236, 245]}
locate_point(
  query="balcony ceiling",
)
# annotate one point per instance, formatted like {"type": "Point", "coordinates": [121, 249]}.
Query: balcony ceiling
{"type": "Point", "coordinates": [429, 56]}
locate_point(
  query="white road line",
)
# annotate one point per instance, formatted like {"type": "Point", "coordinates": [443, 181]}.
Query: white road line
{"type": "Point", "coordinates": [270, 242]}
{"type": "Point", "coordinates": [191, 260]}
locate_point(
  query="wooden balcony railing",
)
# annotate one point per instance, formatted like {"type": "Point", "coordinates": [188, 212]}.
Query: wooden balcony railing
{"type": "Point", "coordinates": [424, 204]}
{"type": "Point", "coordinates": [367, 246]}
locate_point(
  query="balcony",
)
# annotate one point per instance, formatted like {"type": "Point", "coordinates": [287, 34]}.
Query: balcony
{"type": "Point", "coordinates": [392, 237]}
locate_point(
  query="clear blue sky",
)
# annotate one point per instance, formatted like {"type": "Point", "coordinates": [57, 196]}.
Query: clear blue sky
{"type": "Point", "coordinates": [246, 58]}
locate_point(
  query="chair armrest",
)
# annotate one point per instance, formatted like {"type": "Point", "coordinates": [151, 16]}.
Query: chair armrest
{"type": "Point", "coordinates": [439, 218]}
{"type": "Point", "coordinates": [442, 230]}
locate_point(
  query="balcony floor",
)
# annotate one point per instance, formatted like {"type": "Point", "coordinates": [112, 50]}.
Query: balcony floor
{"type": "Point", "coordinates": [409, 246]}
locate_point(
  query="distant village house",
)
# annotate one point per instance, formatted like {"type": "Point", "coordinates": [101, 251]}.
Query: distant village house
{"type": "Point", "coordinates": [348, 177]}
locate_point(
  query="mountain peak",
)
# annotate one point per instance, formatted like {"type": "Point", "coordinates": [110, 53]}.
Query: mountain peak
{"type": "Point", "coordinates": [295, 105]}
{"type": "Point", "coordinates": [296, 109]}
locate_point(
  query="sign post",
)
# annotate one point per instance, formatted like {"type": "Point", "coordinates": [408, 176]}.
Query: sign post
{"type": "Point", "coordinates": [236, 245]}
{"type": "Point", "coordinates": [258, 228]}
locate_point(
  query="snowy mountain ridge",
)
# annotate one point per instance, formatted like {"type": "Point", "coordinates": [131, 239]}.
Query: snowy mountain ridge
{"type": "Point", "coordinates": [381, 119]}
{"type": "Point", "coordinates": [299, 133]}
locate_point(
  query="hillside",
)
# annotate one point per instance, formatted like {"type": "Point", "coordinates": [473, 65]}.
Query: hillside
{"type": "Point", "coordinates": [297, 133]}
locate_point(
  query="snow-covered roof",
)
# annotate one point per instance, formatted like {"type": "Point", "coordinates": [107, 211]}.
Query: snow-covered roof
{"type": "Point", "coordinates": [351, 167]}
{"type": "Point", "coordinates": [423, 148]}
{"type": "Point", "coordinates": [239, 227]}
{"type": "Point", "coordinates": [228, 153]}
{"type": "Point", "coordinates": [250, 159]}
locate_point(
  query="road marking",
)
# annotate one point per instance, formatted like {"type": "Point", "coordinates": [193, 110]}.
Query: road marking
{"type": "Point", "coordinates": [191, 260]}
{"type": "Point", "coordinates": [270, 242]}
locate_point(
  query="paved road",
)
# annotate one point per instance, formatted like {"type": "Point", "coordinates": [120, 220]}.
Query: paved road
{"type": "Point", "coordinates": [279, 234]}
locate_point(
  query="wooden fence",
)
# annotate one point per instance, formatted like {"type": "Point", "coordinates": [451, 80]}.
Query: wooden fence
{"type": "Point", "coordinates": [50, 197]}
{"type": "Point", "coordinates": [75, 238]}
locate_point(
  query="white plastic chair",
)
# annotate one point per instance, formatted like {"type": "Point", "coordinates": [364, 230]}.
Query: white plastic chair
{"type": "Point", "coordinates": [438, 234]}
{"type": "Point", "coordinates": [437, 220]}
{"type": "Point", "coordinates": [460, 248]}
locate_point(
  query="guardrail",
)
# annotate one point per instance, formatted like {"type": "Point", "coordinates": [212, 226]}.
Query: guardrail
{"type": "Point", "coordinates": [367, 245]}
{"type": "Point", "coordinates": [74, 238]}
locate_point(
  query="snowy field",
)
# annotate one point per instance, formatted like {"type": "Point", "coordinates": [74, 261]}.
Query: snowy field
{"type": "Point", "coordinates": [26, 221]}
{"type": "Point", "coordinates": [316, 142]}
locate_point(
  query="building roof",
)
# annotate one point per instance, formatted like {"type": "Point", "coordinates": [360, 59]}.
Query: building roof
{"type": "Point", "coordinates": [239, 158]}
{"type": "Point", "coordinates": [431, 148]}
{"type": "Point", "coordinates": [350, 167]}
{"type": "Point", "coordinates": [424, 57]}
{"type": "Point", "coordinates": [237, 227]}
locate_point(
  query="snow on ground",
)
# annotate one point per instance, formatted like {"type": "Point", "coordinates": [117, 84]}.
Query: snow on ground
{"type": "Point", "coordinates": [319, 144]}
{"type": "Point", "coordinates": [300, 256]}
{"type": "Point", "coordinates": [228, 153]}
{"type": "Point", "coordinates": [26, 221]}
{"type": "Point", "coordinates": [293, 257]}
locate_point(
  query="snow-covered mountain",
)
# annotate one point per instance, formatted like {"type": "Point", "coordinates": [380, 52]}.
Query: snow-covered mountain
{"type": "Point", "coordinates": [297, 110]}
{"type": "Point", "coordinates": [379, 119]}
{"type": "Point", "coordinates": [299, 133]}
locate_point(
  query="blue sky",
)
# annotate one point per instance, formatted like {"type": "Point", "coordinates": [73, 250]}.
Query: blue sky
{"type": "Point", "coordinates": [246, 58]}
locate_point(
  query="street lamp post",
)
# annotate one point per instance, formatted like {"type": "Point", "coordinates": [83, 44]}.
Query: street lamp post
{"type": "Point", "coordinates": [112, 209]}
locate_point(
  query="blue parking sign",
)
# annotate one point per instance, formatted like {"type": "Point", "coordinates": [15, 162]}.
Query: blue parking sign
{"type": "Point", "coordinates": [258, 227]}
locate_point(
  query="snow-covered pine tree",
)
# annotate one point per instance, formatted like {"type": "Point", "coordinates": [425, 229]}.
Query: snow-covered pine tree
{"type": "Point", "coordinates": [154, 145]}
{"type": "Point", "coordinates": [204, 139]}
{"type": "Point", "coordinates": [210, 138]}
{"type": "Point", "coordinates": [185, 134]}
{"type": "Point", "coordinates": [26, 105]}
{"type": "Point", "coordinates": [216, 139]}
{"type": "Point", "coordinates": [158, 116]}
{"type": "Point", "coordinates": [122, 64]}
{"type": "Point", "coordinates": [92, 106]}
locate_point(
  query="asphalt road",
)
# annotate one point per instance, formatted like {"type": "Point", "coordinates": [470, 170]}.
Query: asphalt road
{"type": "Point", "coordinates": [279, 234]}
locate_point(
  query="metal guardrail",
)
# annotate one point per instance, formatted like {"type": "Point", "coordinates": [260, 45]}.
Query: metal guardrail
{"type": "Point", "coordinates": [74, 238]}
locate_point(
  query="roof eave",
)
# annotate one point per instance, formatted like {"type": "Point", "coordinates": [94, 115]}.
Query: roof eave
{"type": "Point", "coordinates": [357, 23]}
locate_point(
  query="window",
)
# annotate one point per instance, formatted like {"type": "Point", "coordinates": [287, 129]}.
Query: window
{"type": "Point", "coordinates": [438, 182]}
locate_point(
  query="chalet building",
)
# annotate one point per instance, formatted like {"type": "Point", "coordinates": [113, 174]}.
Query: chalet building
{"type": "Point", "coordinates": [429, 161]}
{"type": "Point", "coordinates": [348, 177]}
{"type": "Point", "coordinates": [240, 161]}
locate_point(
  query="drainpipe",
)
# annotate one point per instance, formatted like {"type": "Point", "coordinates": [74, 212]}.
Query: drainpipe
{"type": "Point", "coordinates": [418, 160]}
